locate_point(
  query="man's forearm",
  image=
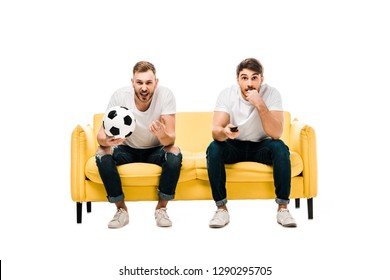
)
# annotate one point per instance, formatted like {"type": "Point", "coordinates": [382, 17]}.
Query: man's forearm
{"type": "Point", "coordinates": [271, 125]}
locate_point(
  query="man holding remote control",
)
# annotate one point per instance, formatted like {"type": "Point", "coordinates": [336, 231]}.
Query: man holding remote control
{"type": "Point", "coordinates": [247, 126]}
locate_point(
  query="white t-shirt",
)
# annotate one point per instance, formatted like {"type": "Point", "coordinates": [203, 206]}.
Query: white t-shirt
{"type": "Point", "coordinates": [163, 103]}
{"type": "Point", "coordinates": [243, 114]}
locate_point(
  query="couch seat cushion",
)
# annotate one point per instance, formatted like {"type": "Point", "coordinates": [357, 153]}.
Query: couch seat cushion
{"type": "Point", "coordinates": [141, 174]}
{"type": "Point", "coordinates": [248, 171]}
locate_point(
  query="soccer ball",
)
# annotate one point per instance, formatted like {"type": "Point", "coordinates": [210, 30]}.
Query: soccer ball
{"type": "Point", "coordinates": [118, 121]}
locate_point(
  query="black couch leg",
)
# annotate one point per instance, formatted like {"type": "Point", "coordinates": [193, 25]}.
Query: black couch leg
{"type": "Point", "coordinates": [89, 206]}
{"type": "Point", "coordinates": [310, 208]}
{"type": "Point", "coordinates": [297, 203]}
{"type": "Point", "coordinates": [79, 209]}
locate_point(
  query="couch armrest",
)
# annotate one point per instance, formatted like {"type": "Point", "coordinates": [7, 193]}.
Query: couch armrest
{"type": "Point", "coordinates": [303, 141]}
{"type": "Point", "coordinates": [83, 146]}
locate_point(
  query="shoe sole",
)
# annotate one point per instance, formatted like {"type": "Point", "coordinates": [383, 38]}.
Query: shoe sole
{"type": "Point", "coordinates": [288, 225]}
{"type": "Point", "coordinates": [218, 226]}
{"type": "Point", "coordinates": [169, 224]}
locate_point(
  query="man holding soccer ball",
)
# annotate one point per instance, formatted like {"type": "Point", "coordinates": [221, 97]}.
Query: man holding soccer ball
{"type": "Point", "coordinates": [152, 141]}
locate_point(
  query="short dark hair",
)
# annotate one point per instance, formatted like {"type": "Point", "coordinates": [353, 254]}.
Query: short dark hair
{"type": "Point", "coordinates": [251, 64]}
{"type": "Point", "coordinates": [144, 66]}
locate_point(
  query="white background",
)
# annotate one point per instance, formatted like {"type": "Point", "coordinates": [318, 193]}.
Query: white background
{"type": "Point", "coordinates": [60, 61]}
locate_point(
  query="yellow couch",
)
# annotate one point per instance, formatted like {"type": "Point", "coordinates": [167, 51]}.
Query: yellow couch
{"type": "Point", "coordinates": [245, 180]}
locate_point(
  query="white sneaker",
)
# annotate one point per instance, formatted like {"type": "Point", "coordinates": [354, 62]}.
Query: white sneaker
{"type": "Point", "coordinates": [221, 218]}
{"type": "Point", "coordinates": [162, 218]}
{"type": "Point", "coordinates": [121, 218]}
{"type": "Point", "coordinates": [285, 219]}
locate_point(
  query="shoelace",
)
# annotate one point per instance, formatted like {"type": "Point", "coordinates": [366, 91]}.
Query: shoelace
{"type": "Point", "coordinates": [286, 216]}
{"type": "Point", "coordinates": [162, 213]}
{"type": "Point", "coordinates": [117, 214]}
{"type": "Point", "coordinates": [218, 214]}
{"type": "Point", "coordinates": [222, 211]}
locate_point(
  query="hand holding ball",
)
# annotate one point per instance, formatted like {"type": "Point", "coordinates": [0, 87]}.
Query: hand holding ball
{"type": "Point", "coordinates": [118, 121]}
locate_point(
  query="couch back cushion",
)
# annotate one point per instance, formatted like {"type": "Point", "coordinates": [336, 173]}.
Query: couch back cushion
{"type": "Point", "coordinates": [286, 129]}
{"type": "Point", "coordinates": [193, 129]}
{"type": "Point", "coordinates": [97, 122]}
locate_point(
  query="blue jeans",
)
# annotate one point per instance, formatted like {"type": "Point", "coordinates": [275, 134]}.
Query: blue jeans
{"type": "Point", "coordinates": [107, 165]}
{"type": "Point", "coordinates": [268, 151]}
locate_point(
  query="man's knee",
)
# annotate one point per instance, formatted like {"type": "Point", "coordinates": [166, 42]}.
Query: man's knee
{"type": "Point", "coordinates": [279, 148]}
{"type": "Point", "coordinates": [101, 152]}
{"type": "Point", "coordinates": [173, 159]}
{"type": "Point", "coordinates": [214, 149]}
{"type": "Point", "coordinates": [172, 149]}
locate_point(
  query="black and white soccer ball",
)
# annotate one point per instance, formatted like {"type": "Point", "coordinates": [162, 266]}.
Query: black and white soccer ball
{"type": "Point", "coordinates": [118, 121]}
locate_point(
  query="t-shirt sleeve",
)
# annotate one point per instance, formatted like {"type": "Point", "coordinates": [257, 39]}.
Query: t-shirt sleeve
{"type": "Point", "coordinates": [113, 102]}
{"type": "Point", "coordinates": [117, 99]}
{"type": "Point", "coordinates": [222, 102]}
{"type": "Point", "coordinates": [275, 101]}
{"type": "Point", "coordinates": [169, 103]}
